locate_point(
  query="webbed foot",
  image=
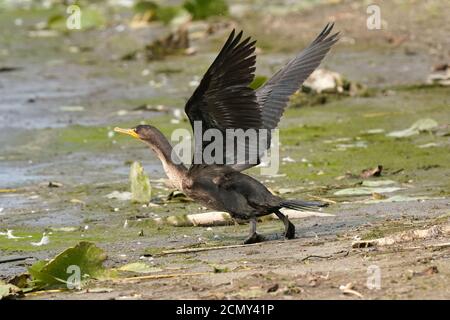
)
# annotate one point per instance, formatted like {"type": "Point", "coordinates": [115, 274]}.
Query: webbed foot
{"type": "Point", "coordinates": [289, 228]}
{"type": "Point", "coordinates": [254, 238]}
{"type": "Point", "coordinates": [289, 232]}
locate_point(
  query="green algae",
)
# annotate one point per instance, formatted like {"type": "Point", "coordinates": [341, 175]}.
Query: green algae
{"type": "Point", "coordinates": [320, 129]}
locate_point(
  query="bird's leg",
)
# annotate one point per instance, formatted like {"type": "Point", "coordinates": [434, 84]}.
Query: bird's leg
{"type": "Point", "coordinates": [289, 228]}
{"type": "Point", "coordinates": [253, 236]}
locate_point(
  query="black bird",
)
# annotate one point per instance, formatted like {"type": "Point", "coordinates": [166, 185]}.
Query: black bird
{"type": "Point", "coordinates": [223, 100]}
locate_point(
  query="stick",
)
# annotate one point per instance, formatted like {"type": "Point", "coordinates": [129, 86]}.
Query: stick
{"type": "Point", "coordinates": [38, 292]}
{"type": "Point", "coordinates": [13, 259]}
{"type": "Point", "coordinates": [189, 250]}
{"type": "Point", "coordinates": [315, 256]}
{"type": "Point", "coordinates": [163, 276]}
{"type": "Point", "coordinates": [8, 190]}
{"type": "Point", "coordinates": [429, 246]}
{"type": "Point", "coordinates": [325, 257]}
{"type": "Point", "coordinates": [322, 199]}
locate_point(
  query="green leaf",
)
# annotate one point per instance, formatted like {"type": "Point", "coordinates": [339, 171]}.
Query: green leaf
{"type": "Point", "coordinates": [141, 190]}
{"type": "Point", "coordinates": [85, 257]}
{"type": "Point", "coordinates": [258, 82]}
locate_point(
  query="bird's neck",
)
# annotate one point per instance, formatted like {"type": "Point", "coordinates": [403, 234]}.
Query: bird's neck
{"type": "Point", "coordinates": [173, 167]}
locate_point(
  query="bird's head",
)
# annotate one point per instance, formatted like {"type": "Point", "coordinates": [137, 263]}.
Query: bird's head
{"type": "Point", "coordinates": [145, 133]}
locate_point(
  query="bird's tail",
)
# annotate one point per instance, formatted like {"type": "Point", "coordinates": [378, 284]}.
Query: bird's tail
{"type": "Point", "coordinates": [302, 205]}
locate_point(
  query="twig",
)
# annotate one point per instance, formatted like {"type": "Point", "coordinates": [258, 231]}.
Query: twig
{"type": "Point", "coordinates": [6, 260]}
{"type": "Point", "coordinates": [39, 292]}
{"type": "Point", "coordinates": [189, 250]}
{"type": "Point", "coordinates": [163, 276]}
{"type": "Point", "coordinates": [429, 246]}
{"type": "Point", "coordinates": [326, 257]}
{"type": "Point", "coordinates": [8, 190]}
{"type": "Point", "coordinates": [315, 256]}
{"type": "Point", "coordinates": [322, 199]}
{"type": "Point", "coordinates": [398, 171]}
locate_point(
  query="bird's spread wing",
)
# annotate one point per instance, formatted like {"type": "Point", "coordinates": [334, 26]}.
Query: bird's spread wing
{"type": "Point", "coordinates": [274, 95]}
{"type": "Point", "coordinates": [223, 100]}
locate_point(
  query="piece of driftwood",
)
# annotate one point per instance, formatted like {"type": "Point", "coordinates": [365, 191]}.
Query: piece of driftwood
{"type": "Point", "coordinates": [217, 218]}
{"type": "Point", "coordinates": [405, 236]}
{"type": "Point", "coordinates": [348, 289]}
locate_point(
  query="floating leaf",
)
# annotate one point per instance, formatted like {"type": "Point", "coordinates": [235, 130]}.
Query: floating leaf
{"type": "Point", "coordinates": [140, 184]}
{"type": "Point", "coordinates": [85, 257]}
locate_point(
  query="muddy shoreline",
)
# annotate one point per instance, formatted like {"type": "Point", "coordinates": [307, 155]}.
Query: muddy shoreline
{"type": "Point", "coordinates": [59, 107]}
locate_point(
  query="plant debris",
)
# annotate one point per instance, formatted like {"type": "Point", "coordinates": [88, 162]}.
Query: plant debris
{"type": "Point", "coordinates": [422, 125]}
{"type": "Point", "coordinates": [372, 172]}
{"type": "Point", "coordinates": [8, 290]}
{"type": "Point", "coordinates": [404, 236]}
{"type": "Point", "coordinates": [349, 290]}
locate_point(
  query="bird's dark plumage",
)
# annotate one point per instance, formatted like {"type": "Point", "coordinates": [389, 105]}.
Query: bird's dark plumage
{"type": "Point", "coordinates": [223, 100]}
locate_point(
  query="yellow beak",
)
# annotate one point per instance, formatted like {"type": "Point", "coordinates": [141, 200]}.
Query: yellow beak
{"type": "Point", "coordinates": [130, 132]}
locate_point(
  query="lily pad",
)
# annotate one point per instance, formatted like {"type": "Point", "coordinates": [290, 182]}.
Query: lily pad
{"type": "Point", "coordinates": [85, 257]}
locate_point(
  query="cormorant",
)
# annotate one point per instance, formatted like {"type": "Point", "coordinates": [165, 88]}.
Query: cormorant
{"type": "Point", "coordinates": [223, 100]}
